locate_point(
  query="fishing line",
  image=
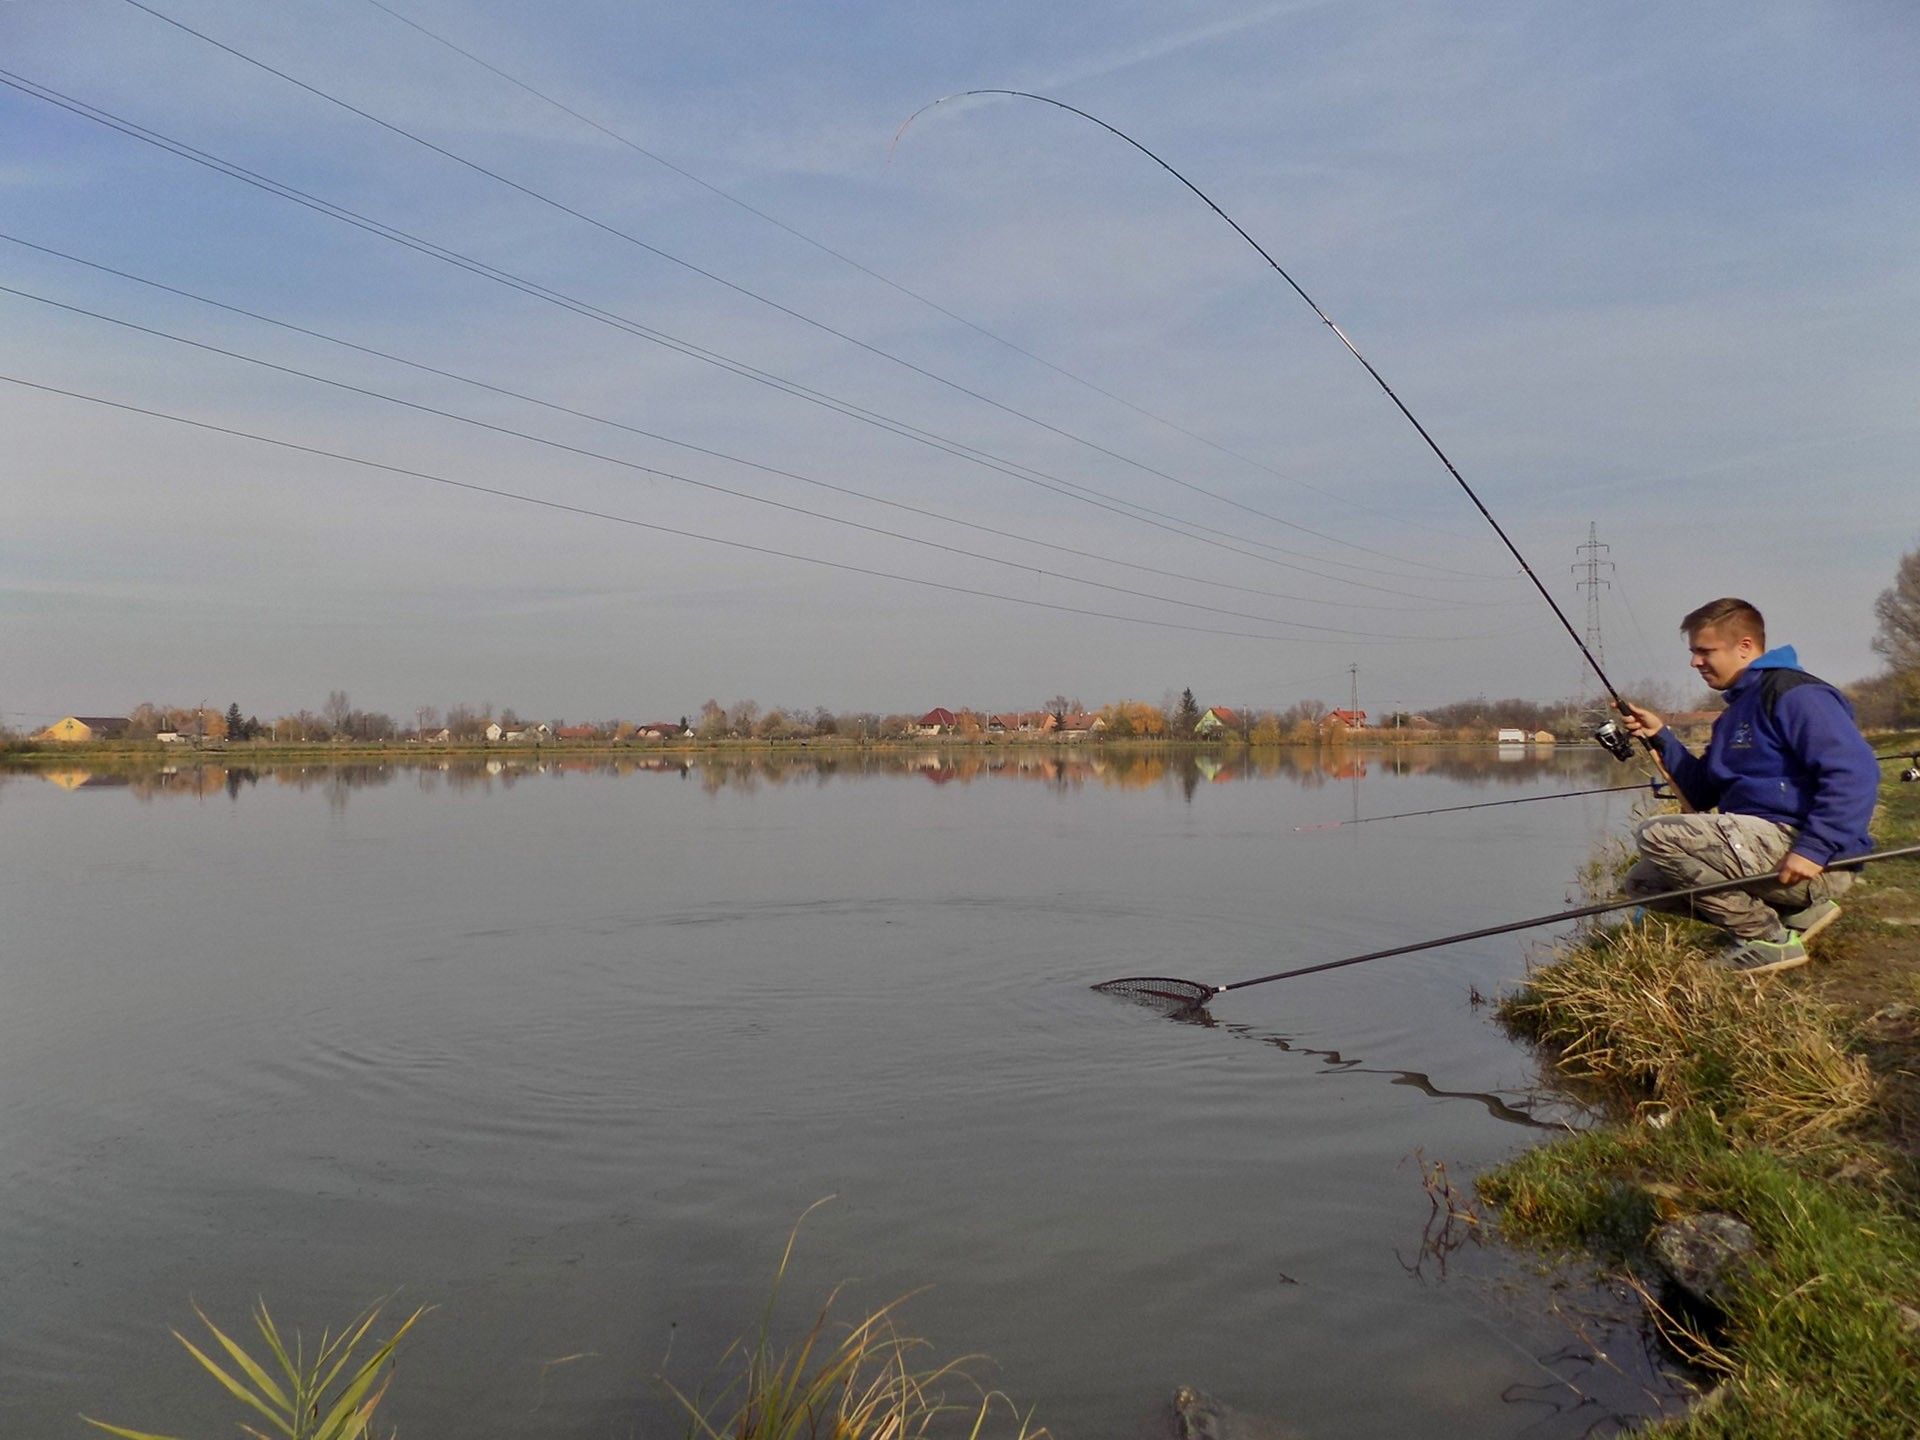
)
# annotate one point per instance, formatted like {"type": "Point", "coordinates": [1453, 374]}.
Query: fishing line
{"type": "Point", "coordinates": [749, 293]}
{"type": "Point", "coordinates": [1072, 490]}
{"type": "Point", "coordinates": [1170, 990]}
{"type": "Point", "coordinates": [1653, 786]}
{"type": "Point", "coordinates": [1433, 445]}
{"type": "Point", "coordinates": [826, 249]}
{"type": "Point", "coordinates": [688, 445]}
{"type": "Point", "coordinates": [1646, 650]}
{"type": "Point", "coordinates": [713, 486]}
{"type": "Point", "coordinates": [746, 545]}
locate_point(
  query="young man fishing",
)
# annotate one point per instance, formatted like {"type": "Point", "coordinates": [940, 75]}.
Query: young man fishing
{"type": "Point", "coordinates": [1792, 779]}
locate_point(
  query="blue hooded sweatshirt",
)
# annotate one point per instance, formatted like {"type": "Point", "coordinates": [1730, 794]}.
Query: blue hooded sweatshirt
{"type": "Point", "coordinates": [1785, 749]}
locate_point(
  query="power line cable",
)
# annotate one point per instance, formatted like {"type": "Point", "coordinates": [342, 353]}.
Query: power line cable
{"type": "Point", "coordinates": [655, 435]}
{"type": "Point", "coordinates": [1146, 515]}
{"type": "Point", "coordinates": [709, 485]}
{"type": "Point", "coordinates": [684, 534]}
{"type": "Point", "coordinates": [907, 290]}
{"type": "Point", "coordinates": [824, 327]}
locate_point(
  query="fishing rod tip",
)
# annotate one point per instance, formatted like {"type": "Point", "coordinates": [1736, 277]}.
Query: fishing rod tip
{"type": "Point", "coordinates": [954, 95]}
{"type": "Point", "coordinates": [894, 144]}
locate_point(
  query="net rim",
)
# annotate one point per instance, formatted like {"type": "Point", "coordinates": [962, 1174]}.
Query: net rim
{"type": "Point", "coordinates": [1192, 991]}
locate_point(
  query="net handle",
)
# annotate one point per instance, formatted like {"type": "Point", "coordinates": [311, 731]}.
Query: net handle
{"type": "Point", "coordinates": [1715, 887]}
{"type": "Point", "coordinates": [1581, 912]}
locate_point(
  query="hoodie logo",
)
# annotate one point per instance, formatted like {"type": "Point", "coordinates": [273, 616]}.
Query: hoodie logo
{"type": "Point", "coordinates": [1742, 736]}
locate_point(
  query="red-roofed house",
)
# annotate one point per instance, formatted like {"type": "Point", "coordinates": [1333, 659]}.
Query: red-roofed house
{"type": "Point", "coordinates": [1218, 718]}
{"type": "Point", "coordinates": [937, 721]}
{"type": "Point", "coordinates": [1352, 719]}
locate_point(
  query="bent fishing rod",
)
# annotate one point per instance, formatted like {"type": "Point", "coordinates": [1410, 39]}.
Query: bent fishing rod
{"type": "Point", "coordinates": [1610, 735]}
{"type": "Point", "coordinates": [1171, 990]}
{"type": "Point", "coordinates": [1656, 787]}
{"type": "Point", "coordinates": [1652, 786]}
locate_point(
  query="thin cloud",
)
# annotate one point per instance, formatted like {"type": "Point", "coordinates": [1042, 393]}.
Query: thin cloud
{"type": "Point", "coordinates": [1112, 62]}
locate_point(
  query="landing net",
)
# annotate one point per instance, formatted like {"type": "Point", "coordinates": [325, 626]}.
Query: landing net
{"type": "Point", "coordinates": [1164, 991]}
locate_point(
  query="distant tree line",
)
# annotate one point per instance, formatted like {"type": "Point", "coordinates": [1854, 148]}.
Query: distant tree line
{"type": "Point", "coordinates": [1887, 700]}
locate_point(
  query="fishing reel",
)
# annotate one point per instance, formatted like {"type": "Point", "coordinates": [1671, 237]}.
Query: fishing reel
{"type": "Point", "coordinates": [1615, 741]}
{"type": "Point", "coordinates": [1912, 773]}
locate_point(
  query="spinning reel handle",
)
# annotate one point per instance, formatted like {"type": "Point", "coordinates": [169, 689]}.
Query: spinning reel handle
{"type": "Point", "coordinates": [1615, 741]}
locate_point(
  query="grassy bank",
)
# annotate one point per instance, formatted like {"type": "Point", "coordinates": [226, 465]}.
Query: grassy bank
{"type": "Point", "coordinates": [1791, 1102]}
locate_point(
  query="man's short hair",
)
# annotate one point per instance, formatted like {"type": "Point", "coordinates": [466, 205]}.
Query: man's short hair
{"type": "Point", "coordinates": [1735, 619]}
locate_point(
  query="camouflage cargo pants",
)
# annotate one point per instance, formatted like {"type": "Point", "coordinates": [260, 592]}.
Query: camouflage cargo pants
{"type": "Point", "coordinates": [1681, 850]}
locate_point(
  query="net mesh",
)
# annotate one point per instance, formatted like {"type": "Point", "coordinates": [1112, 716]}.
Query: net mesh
{"type": "Point", "coordinates": [1163, 991]}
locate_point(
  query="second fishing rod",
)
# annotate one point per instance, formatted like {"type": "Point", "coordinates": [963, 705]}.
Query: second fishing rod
{"type": "Point", "coordinates": [1655, 788]}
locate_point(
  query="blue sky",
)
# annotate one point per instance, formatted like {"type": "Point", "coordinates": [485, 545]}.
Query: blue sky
{"type": "Point", "coordinates": [1650, 266]}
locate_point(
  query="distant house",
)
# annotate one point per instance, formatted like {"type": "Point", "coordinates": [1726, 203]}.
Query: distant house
{"type": "Point", "coordinates": [662, 730]}
{"type": "Point", "coordinates": [1038, 722]}
{"type": "Point", "coordinates": [493, 732]}
{"type": "Point", "coordinates": [1352, 719]}
{"type": "Point", "coordinates": [1076, 726]}
{"type": "Point", "coordinates": [1217, 718]}
{"type": "Point", "coordinates": [937, 721]}
{"type": "Point", "coordinates": [437, 737]}
{"type": "Point", "coordinates": [1511, 737]}
{"type": "Point", "coordinates": [73, 729]}
{"type": "Point", "coordinates": [577, 732]}
{"type": "Point", "coordinates": [172, 737]}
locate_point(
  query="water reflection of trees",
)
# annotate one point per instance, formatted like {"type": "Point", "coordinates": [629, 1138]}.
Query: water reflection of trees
{"type": "Point", "coordinates": [1064, 768]}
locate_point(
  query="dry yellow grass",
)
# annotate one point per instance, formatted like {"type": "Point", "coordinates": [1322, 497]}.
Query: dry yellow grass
{"type": "Point", "coordinates": [863, 1380]}
{"type": "Point", "coordinates": [1647, 1015]}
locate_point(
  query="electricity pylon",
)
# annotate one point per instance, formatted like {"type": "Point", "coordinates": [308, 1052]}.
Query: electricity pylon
{"type": "Point", "coordinates": [1593, 708]}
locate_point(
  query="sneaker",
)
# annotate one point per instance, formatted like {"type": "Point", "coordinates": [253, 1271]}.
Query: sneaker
{"type": "Point", "coordinates": [1763, 957]}
{"type": "Point", "coordinates": [1811, 921]}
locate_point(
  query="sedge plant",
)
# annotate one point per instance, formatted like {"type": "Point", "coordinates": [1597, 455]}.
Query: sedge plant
{"type": "Point", "coordinates": [331, 1396]}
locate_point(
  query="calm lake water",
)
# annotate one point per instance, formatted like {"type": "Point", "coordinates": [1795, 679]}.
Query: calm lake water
{"type": "Point", "coordinates": [565, 1049]}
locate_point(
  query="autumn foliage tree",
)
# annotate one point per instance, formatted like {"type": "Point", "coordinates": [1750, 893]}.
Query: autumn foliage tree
{"type": "Point", "coordinates": [1134, 719]}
